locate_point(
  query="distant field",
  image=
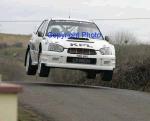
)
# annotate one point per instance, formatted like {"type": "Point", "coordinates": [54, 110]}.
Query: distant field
{"type": "Point", "coordinates": [12, 38]}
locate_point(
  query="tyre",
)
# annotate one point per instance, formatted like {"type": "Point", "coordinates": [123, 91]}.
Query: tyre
{"type": "Point", "coordinates": [107, 75]}
{"type": "Point", "coordinates": [91, 75]}
{"type": "Point", "coordinates": [43, 71]}
{"type": "Point", "coordinates": [30, 69]}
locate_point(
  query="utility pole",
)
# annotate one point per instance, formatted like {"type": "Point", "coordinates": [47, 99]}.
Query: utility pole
{"type": "Point", "coordinates": [69, 13]}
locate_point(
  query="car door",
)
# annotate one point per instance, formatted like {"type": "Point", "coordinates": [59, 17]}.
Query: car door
{"type": "Point", "coordinates": [33, 45]}
{"type": "Point", "coordinates": [33, 48]}
{"type": "Point", "coordinates": [38, 38]}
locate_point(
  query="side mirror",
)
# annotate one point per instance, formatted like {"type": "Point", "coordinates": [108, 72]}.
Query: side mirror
{"type": "Point", "coordinates": [107, 38]}
{"type": "Point", "coordinates": [40, 34]}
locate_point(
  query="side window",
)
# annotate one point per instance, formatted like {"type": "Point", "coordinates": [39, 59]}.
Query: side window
{"type": "Point", "coordinates": [41, 26]}
{"type": "Point", "coordinates": [43, 29]}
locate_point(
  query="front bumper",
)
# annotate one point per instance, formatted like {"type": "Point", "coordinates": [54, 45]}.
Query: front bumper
{"type": "Point", "coordinates": [59, 60]}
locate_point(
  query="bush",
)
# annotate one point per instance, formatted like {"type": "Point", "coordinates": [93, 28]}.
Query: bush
{"type": "Point", "coordinates": [17, 44]}
{"type": "Point", "coordinates": [3, 45]}
{"type": "Point", "coordinates": [133, 68]}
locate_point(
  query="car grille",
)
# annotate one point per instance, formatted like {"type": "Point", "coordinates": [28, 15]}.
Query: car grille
{"type": "Point", "coordinates": [82, 51]}
{"type": "Point", "coordinates": [77, 60]}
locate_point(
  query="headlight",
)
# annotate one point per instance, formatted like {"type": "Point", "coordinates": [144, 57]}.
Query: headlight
{"type": "Point", "coordinates": [55, 47]}
{"type": "Point", "coordinates": [105, 51]}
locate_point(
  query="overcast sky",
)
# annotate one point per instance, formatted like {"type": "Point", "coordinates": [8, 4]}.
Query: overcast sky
{"type": "Point", "coordinates": [86, 9]}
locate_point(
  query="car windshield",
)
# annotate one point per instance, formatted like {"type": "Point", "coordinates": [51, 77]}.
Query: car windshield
{"type": "Point", "coordinates": [73, 29]}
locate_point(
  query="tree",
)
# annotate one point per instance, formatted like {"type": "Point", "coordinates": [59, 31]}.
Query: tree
{"type": "Point", "coordinates": [124, 38]}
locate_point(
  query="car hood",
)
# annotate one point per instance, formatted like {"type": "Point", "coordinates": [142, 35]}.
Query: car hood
{"type": "Point", "coordinates": [77, 43]}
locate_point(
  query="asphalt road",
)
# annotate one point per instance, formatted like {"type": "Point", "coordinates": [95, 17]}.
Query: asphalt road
{"type": "Point", "coordinates": [87, 104]}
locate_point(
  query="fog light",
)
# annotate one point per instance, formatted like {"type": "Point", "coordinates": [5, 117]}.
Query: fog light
{"type": "Point", "coordinates": [106, 62]}
{"type": "Point", "coordinates": [55, 59]}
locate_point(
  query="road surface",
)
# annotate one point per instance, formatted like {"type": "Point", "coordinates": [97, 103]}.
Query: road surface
{"type": "Point", "coordinates": [87, 104]}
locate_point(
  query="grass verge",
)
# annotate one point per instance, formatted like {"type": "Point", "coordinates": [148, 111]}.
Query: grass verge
{"type": "Point", "coordinates": [27, 114]}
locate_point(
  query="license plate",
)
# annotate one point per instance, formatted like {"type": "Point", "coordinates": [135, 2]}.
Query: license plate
{"type": "Point", "coordinates": [81, 60]}
{"type": "Point", "coordinates": [82, 56]}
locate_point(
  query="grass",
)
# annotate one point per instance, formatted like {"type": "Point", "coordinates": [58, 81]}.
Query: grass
{"type": "Point", "coordinates": [11, 38]}
{"type": "Point", "coordinates": [12, 65]}
{"type": "Point", "coordinates": [133, 68]}
{"type": "Point", "coordinates": [27, 114]}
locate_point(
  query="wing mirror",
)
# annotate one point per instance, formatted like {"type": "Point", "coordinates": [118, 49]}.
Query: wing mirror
{"type": "Point", "coordinates": [40, 34]}
{"type": "Point", "coordinates": [107, 38]}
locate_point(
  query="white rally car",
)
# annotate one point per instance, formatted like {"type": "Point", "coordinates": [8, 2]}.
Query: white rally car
{"type": "Point", "coordinates": [72, 44]}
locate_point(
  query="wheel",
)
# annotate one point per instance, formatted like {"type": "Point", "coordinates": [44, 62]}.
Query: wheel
{"type": "Point", "coordinates": [107, 75]}
{"type": "Point", "coordinates": [30, 69]}
{"type": "Point", "coordinates": [43, 70]}
{"type": "Point", "coordinates": [91, 75]}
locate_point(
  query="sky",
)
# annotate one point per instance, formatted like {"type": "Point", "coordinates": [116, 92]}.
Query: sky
{"type": "Point", "coordinates": [83, 9]}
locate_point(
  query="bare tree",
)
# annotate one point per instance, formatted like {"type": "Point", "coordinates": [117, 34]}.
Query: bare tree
{"type": "Point", "coordinates": [124, 38]}
{"type": "Point", "coordinates": [121, 40]}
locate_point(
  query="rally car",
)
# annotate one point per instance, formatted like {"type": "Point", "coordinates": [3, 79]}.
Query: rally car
{"type": "Point", "coordinates": [71, 44]}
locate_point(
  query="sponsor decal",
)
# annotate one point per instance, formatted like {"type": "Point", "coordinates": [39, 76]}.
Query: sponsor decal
{"type": "Point", "coordinates": [81, 45]}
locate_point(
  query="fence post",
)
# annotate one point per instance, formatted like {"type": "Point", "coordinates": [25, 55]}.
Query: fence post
{"type": "Point", "coordinates": [9, 101]}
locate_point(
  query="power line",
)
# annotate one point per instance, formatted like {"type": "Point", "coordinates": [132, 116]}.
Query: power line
{"type": "Point", "coordinates": [21, 21]}
{"type": "Point", "coordinates": [98, 19]}
{"type": "Point", "coordinates": [121, 19]}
